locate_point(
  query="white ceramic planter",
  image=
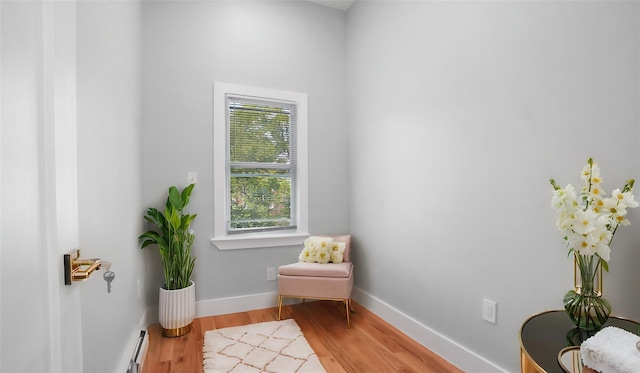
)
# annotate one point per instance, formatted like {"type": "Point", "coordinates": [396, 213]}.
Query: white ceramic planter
{"type": "Point", "coordinates": [177, 310]}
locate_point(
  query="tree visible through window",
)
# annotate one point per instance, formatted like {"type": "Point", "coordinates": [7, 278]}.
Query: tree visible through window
{"type": "Point", "coordinates": [260, 167]}
{"type": "Point", "coordinates": [261, 164]}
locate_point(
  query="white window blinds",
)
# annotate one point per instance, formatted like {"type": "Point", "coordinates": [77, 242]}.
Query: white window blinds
{"type": "Point", "coordinates": [261, 164]}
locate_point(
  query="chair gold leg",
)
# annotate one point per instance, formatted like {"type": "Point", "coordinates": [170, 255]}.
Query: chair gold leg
{"type": "Point", "coordinates": [279, 306]}
{"type": "Point", "coordinates": [347, 304]}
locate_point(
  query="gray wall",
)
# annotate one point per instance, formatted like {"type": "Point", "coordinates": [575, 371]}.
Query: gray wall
{"type": "Point", "coordinates": [458, 115]}
{"type": "Point", "coordinates": [186, 47]}
{"type": "Point", "coordinates": [470, 106]}
{"type": "Point", "coordinates": [109, 179]}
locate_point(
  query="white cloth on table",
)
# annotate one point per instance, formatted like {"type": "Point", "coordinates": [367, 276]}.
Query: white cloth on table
{"type": "Point", "coordinates": [612, 350]}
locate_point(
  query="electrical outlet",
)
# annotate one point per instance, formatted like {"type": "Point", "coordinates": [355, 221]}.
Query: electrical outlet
{"type": "Point", "coordinates": [192, 177]}
{"type": "Point", "coordinates": [271, 274]}
{"type": "Point", "coordinates": [489, 310]}
{"type": "Point", "coordinates": [139, 289]}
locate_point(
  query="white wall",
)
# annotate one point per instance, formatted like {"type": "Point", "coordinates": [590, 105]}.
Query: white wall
{"type": "Point", "coordinates": [459, 113]}
{"type": "Point", "coordinates": [109, 164]}
{"type": "Point", "coordinates": [187, 46]}
{"type": "Point", "coordinates": [109, 176]}
{"type": "Point", "coordinates": [471, 106]}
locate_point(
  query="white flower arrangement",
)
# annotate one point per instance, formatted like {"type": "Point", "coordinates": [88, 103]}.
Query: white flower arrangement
{"type": "Point", "coordinates": [589, 222]}
{"type": "Point", "coordinates": [322, 250]}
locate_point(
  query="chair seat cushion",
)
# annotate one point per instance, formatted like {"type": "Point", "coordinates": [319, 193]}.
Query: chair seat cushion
{"type": "Point", "coordinates": [338, 270]}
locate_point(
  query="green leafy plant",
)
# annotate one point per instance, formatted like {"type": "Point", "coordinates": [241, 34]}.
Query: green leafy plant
{"type": "Point", "coordinates": [173, 237]}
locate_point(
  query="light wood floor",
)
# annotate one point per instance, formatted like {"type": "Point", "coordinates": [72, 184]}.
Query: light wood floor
{"type": "Point", "coordinates": [371, 345]}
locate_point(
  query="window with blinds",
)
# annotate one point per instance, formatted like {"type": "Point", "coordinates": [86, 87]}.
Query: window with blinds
{"type": "Point", "coordinates": [260, 165]}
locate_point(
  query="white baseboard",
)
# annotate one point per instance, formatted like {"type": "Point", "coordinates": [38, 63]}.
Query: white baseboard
{"type": "Point", "coordinates": [243, 303]}
{"type": "Point", "coordinates": [446, 348]}
{"type": "Point", "coordinates": [222, 306]}
{"type": "Point", "coordinates": [131, 345]}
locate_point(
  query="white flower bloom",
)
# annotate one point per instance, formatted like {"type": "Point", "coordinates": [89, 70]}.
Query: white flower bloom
{"type": "Point", "coordinates": [596, 192]}
{"type": "Point", "coordinates": [602, 237]}
{"type": "Point", "coordinates": [597, 204]}
{"type": "Point", "coordinates": [338, 246]}
{"type": "Point", "coordinates": [337, 252]}
{"type": "Point", "coordinates": [588, 222]}
{"type": "Point", "coordinates": [584, 221]}
{"type": "Point", "coordinates": [564, 198]}
{"type": "Point", "coordinates": [321, 250]}
{"type": "Point", "coordinates": [564, 220]}
{"type": "Point", "coordinates": [595, 174]}
{"type": "Point", "coordinates": [310, 243]}
{"type": "Point", "coordinates": [625, 198]}
{"type": "Point", "coordinates": [616, 211]}
{"type": "Point", "coordinates": [621, 220]}
{"type": "Point", "coordinates": [323, 255]}
{"type": "Point", "coordinates": [336, 257]}
{"type": "Point", "coordinates": [579, 243]}
{"type": "Point", "coordinates": [585, 175]}
{"type": "Point", "coordinates": [305, 255]}
{"type": "Point", "coordinates": [595, 242]}
{"type": "Point", "coordinates": [613, 208]}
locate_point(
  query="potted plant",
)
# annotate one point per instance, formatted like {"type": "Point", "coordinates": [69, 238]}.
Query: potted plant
{"type": "Point", "coordinates": [175, 240]}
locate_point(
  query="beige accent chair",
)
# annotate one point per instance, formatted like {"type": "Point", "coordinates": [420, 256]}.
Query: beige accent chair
{"type": "Point", "coordinates": [331, 281]}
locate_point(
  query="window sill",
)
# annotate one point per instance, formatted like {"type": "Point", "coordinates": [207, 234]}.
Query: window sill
{"type": "Point", "coordinates": [258, 241]}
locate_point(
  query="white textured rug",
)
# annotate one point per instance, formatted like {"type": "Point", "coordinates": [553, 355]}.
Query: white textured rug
{"type": "Point", "coordinates": [274, 347]}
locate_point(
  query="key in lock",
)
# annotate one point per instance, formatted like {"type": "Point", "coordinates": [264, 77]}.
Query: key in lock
{"type": "Point", "coordinates": [108, 276]}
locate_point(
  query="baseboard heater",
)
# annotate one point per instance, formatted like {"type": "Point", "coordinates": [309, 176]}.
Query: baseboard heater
{"type": "Point", "coordinates": [135, 365]}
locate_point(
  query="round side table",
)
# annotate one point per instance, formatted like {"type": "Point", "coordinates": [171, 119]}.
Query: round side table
{"type": "Point", "coordinates": [545, 335]}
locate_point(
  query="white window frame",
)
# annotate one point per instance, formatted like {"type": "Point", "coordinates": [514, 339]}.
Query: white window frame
{"type": "Point", "coordinates": [222, 239]}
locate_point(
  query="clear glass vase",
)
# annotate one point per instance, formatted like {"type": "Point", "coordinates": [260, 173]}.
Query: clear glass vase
{"type": "Point", "coordinates": [585, 305]}
{"type": "Point", "coordinates": [588, 312]}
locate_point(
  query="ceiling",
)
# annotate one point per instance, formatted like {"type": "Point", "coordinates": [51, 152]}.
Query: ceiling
{"type": "Point", "coordinates": [337, 4]}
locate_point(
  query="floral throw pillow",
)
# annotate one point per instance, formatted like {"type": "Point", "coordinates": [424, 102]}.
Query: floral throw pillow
{"type": "Point", "coordinates": [322, 250]}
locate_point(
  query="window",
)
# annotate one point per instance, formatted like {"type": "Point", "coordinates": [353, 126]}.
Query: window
{"type": "Point", "coordinates": [260, 167]}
